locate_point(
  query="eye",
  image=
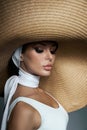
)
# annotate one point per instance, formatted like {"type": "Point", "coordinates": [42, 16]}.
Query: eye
{"type": "Point", "coordinates": [53, 50]}
{"type": "Point", "coordinates": [38, 50]}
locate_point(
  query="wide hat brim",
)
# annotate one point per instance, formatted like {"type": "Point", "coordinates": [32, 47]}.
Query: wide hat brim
{"type": "Point", "coordinates": [23, 21]}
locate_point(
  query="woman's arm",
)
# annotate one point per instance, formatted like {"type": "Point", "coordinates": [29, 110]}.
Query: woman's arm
{"type": "Point", "coordinates": [24, 117]}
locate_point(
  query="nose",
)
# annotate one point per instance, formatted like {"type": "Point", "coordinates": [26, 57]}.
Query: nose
{"type": "Point", "coordinates": [49, 56]}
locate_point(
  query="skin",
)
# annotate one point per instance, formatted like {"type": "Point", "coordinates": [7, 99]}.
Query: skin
{"type": "Point", "coordinates": [34, 62]}
{"type": "Point", "coordinates": [38, 60]}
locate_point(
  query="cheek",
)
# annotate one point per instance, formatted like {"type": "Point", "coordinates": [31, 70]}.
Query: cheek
{"type": "Point", "coordinates": [53, 58]}
{"type": "Point", "coordinates": [34, 61]}
{"type": "Point", "coordinates": [35, 66]}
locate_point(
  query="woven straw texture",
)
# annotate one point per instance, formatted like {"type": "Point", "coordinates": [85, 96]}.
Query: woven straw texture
{"type": "Point", "coordinates": [65, 21]}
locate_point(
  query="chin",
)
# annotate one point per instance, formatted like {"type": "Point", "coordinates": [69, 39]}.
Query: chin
{"type": "Point", "coordinates": [46, 74]}
{"type": "Point", "coordinates": [43, 73]}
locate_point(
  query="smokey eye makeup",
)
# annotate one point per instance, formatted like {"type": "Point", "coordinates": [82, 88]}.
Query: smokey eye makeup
{"type": "Point", "coordinates": [53, 50]}
{"type": "Point", "coordinates": [38, 49]}
{"type": "Point", "coordinates": [41, 49]}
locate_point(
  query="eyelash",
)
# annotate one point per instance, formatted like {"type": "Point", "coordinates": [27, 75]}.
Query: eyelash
{"type": "Point", "coordinates": [53, 52]}
{"type": "Point", "coordinates": [39, 50]}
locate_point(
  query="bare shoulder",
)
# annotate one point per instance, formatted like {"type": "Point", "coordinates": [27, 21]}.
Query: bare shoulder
{"type": "Point", "coordinates": [24, 116]}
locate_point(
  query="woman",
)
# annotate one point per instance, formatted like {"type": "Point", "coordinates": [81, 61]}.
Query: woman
{"type": "Point", "coordinates": [27, 106]}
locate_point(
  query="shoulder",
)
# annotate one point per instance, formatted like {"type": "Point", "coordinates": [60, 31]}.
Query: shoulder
{"type": "Point", "coordinates": [25, 115]}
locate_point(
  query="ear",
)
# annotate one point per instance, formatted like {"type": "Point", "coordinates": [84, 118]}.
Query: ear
{"type": "Point", "coordinates": [21, 57]}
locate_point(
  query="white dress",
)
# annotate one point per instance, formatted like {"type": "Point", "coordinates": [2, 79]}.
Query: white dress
{"type": "Point", "coordinates": [51, 118]}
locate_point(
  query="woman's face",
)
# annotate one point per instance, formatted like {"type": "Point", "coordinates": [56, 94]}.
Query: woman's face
{"type": "Point", "coordinates": [38, 59]}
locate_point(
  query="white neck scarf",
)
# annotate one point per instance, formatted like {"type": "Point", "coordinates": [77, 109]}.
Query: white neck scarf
{"type": "Point", "coordinates": [24, 78]}
{"type": "Point", "coordinates": [28, 79]}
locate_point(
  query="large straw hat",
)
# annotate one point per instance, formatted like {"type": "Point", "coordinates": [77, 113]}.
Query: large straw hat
{"type": "Point", "coordinates": [65, 21]}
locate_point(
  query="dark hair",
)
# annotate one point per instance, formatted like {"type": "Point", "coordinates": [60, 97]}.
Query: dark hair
{"type": "Point", "coordinates": [12, 69]}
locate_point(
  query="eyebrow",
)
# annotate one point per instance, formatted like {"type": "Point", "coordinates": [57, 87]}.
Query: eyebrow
{"type": "Point", "coordinates": [44, 44]}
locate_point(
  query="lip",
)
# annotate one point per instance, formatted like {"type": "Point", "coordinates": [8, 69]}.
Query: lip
{"type": "Point", "coordinates": [48, 67]}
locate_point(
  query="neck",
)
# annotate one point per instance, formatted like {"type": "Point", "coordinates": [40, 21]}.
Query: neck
{"type": "Point", "coordinates": [27, 79]}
